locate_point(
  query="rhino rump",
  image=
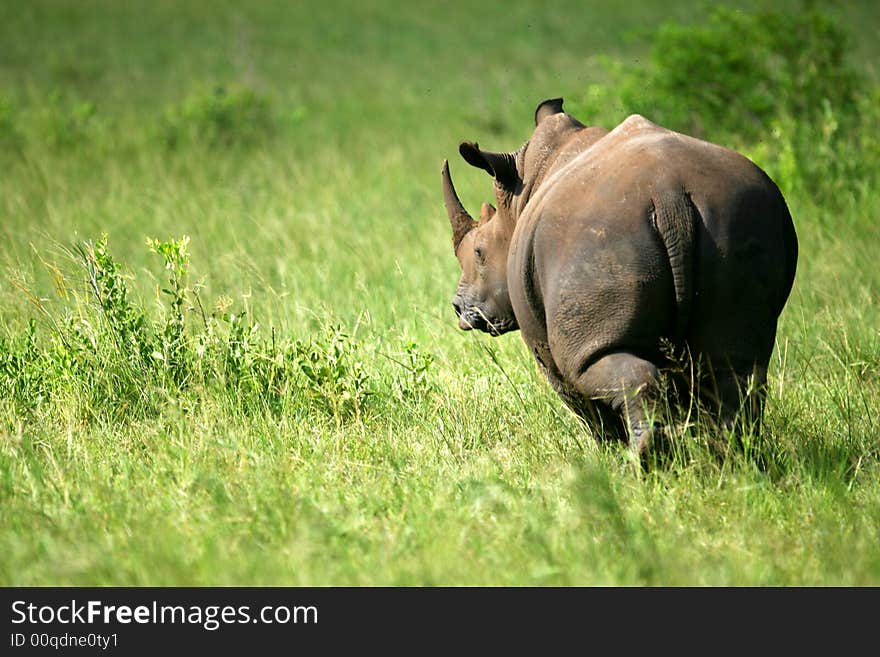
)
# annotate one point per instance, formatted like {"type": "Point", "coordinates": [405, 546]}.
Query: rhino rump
{"type": "Point", "coordinates": [591, 272]}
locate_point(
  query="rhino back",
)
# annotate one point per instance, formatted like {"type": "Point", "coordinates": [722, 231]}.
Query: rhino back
{"type": "Point", "coordinates": [589, 272]}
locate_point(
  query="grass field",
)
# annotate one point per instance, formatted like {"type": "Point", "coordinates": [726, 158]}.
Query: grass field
{"type": "Point", "coordinates": [343, 430]}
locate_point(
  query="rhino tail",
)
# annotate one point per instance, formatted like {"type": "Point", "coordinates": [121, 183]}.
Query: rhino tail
{"type": "Point", "coordinates": [674, 217]}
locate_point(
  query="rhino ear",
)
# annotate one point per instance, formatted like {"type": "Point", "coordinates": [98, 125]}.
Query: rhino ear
{"type": "Point", "coordinates": [487, 211]}
{"type": "Point", "coordinates": [547, 108]}
{"type": "Point", "coordinates": [501, 166]}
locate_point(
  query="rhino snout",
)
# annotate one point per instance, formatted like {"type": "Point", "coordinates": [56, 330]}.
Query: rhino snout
{"type": "Point", "coordinates": [463, 322]}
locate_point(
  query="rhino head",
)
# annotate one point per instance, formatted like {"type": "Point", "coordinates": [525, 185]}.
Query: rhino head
{"type": "Point", "coordinates": [481, 300]}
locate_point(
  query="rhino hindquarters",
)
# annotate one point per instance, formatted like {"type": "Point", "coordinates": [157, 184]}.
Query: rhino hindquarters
{"type": "Point", "coordinates": [743, 266]}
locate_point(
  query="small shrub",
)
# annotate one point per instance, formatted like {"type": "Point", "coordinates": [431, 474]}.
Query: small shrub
{"type": "Point", "coordinates": [126, 322]}
{"type": "Point", "coordinates": [23, 378]}
{"type": "Point", "coordinates": [67, 123]}
{"type": "Point", "coordinates": [254, 370]}
{"type": "Point", "coordinates": [10, 136]}
{"type": "Point", "coordinates": [220, 118]}
{"type": "Point", "coordinates": [174, 348]}
{"type": "Point", "coordinates": [118, 362]}
{"type": "Point", "coordinates": [334, 372]}
{"type": "Point", "coordinates": [413, 377]}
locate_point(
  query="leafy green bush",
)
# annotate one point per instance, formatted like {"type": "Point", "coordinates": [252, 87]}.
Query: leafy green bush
{"type": "Point", "coordinates": [10, 136]}
{"type": "Point", "coordinates": [22, 376]}
{"type": "Point", "coordinates": [334, 371]}
{"type": "Point", "coordinates": [220, 118]}
{"type": "Point", "coordinates": [110, 356]}
{"type": "Point", "coordinates": [126, 322]}
{"type": "Point", "coordinates": [174, 348]}
{"type": "Point", "coordinates": [65, 123]}
{"type": "Point", "coordinates": [774, 84]}
{"type": "Point", "coordinates": [740, 72]}
{"type": "Point", "coordinates": [414, 380]}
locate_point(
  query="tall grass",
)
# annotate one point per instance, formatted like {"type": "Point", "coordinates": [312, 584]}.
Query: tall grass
{"type": "Point", "coordinates": [275, 390]}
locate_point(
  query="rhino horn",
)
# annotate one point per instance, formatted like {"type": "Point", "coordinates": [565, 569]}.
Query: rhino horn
{"type": "Point", "coordinates": [501, 166]}
{"type": "Point", "coordinates": [461, 221]}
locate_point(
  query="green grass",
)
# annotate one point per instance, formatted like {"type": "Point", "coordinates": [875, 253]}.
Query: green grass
{"type": "Point", "coordinates": [310, 193]}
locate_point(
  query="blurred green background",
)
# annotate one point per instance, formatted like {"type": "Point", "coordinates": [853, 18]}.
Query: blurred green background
{"type": "Point", "coordinates": [320, 419]}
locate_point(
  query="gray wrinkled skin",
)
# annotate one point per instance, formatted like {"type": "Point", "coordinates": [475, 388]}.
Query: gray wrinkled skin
{"type": "Point", "coordinates": [611, 250]}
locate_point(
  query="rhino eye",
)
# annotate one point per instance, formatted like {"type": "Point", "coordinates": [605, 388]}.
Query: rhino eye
{"type": "Point", "coordinates": [478, 252]}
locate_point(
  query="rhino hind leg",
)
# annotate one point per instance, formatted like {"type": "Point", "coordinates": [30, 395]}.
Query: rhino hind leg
{"type": "Point", "coordinates": [627, 384]}
{"type": "Point", "coordinates": [605, 425]}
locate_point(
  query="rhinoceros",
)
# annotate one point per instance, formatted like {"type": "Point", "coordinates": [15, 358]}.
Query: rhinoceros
{"type": "Point", "coordinates": [611, 251]}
